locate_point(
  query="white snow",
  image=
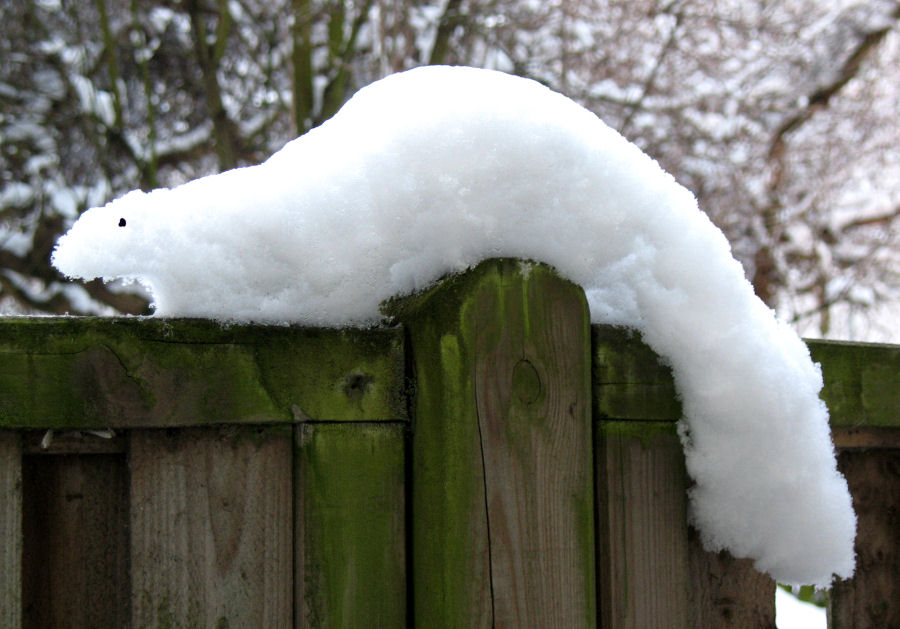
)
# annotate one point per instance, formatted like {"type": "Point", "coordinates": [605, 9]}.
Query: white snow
{"type": "Point", "coordinates": [93, 101]}
{"type": "Point", "coordinates": [792, 613]}
{"type": "Point", "coordinates": [432, 170]}
{"type": "Point", "coordinates": [16, 194]}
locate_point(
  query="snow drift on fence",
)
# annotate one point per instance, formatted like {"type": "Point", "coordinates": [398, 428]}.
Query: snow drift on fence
{"type": "Point", "coordinates": [433, 170]}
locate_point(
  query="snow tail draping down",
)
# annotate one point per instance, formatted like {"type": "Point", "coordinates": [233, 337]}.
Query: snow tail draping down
{"type": "Point", "coordinates": [433, 170]}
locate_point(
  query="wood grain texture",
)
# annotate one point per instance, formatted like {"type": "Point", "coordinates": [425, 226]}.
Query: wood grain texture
{"type": "Point", "coordinates": [503, 529]}
{"type": "Point", "coordinates": [865, 437]}
{"type": "Point", "coordinates": [628, 379]}
{"type": "Point", "coordinates": [211, 524]}
{"type": "Point", "coordinates": [642, 524]}
{"type": "Point", "coordinates": [871, 599]}
{"type": "Point", "coordinates": [10, 530]}
{"type": "Point", "coordinates": [531, 379]}
{"type": "Point", "coordinates": [862, 382]}
{"type": "Point", "coordinates": [728, 592]}
{"type": "Point", "coordinates": [351, 538]}
{"type": "Point", "coordinates": [90, 372]}
{"type": "Point", "coordinates": [75, 559]}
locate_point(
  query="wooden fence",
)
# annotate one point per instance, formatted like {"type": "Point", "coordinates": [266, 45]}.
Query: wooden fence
{"type": "Point", "coordinates": [490, 461]}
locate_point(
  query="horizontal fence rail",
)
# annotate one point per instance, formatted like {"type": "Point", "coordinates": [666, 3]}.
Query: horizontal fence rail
{"type": "Point", "coordinates": [489, 460]}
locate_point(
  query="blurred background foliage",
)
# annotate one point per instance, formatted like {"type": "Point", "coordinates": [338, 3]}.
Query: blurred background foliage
{"type": "Point", "coordinates": [780, 116]}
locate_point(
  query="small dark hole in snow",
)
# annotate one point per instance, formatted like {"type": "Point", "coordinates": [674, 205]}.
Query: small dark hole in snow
{"type": "Point", "coordinates": [121, 222]}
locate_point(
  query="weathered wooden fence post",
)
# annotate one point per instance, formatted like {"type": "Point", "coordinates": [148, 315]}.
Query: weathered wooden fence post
{"type": "Point", "coordinates": [350, 539]}
{"type": "Point", "coordinates": [273, 476]}
{"type": "Point", "coordinates": [502, 518]}
{"type": "Point", "coordinates": [862, 390]}
{"type": "Point", "coordinates": [871, 599]}
{"type": "Point", "coordinates": [256, 477]}
{"type": "Point", "coordinates": [10, 529]}
{"type": "Point", "coordinates": [210, 526]}
{"type": "Point", "coordinates": [653, 570]}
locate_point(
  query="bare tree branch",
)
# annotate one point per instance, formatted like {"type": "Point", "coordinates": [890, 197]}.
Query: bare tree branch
{"type": "Point", "coordinates": [341, 53]}
{"type": "Point", "coordinates": [451, 18]}
{"type": "Point", "coordinates": [765, 277]}
{"type": "Point", "coordinates": [224, 129]}
{"type": "Point", "coordinates": [868, 221]}
{"type": "Point", "coordinates": [820, 98]}
{"type": "Point", "coordinates": [647, 87]}
{"type": "Point", "coordinates": [301, 56]}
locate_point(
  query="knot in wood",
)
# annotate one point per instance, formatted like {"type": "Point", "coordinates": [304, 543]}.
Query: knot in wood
{"type": "Point", "coordinates": [526, 383]}
{"type": "Point", "coordinates": [356, 385]}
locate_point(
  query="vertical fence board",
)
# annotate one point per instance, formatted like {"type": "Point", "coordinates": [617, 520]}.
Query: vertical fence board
{"type": "Point", "coordinates": [728, 592]}
{"type": "Point", "coordinates": [75, 524]}
{"type": "Point", "coordinates": [642, 524]}
{"type": "Point", "coordinates": [211, 523]}
{"type": "Point", "coordinates": [10, 529]}
{"type": "Point", "coordinates": [350, 541]}
{"type": "Point", "coordinates": [241, 526]}
{"type": "Point", "coordinates": [643, 479]}
{"type": "Point", "coordinates": [871, 599]}
{"type": "Point", "coordinates": [503, 509]}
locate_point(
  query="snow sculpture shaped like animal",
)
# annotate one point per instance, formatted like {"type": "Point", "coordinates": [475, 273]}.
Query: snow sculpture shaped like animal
{"type": "Point", "coordinates": [435, 169]}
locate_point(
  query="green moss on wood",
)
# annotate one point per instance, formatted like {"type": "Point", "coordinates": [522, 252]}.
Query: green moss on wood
{"type": "Point", "coordinates": [483, 432]}
{"type": "Point", "coordinates": [646, 432]}
{"type": "Point", "coordinates": [629, 379]}
{"type": "Point", "coordinates": [101, 372]}
{"type": "Point", "coordinates": [351, 524]}
{"type": "Point", "coordinates": [862, 382]}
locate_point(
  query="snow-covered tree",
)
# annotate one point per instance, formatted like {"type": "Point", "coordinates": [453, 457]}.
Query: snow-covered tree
{"type": "Point", "coordinates": [781, 117]}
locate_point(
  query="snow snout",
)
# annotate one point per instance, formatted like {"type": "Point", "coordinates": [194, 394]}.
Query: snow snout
{"type": "Point", "coordinates": [106, 242]}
